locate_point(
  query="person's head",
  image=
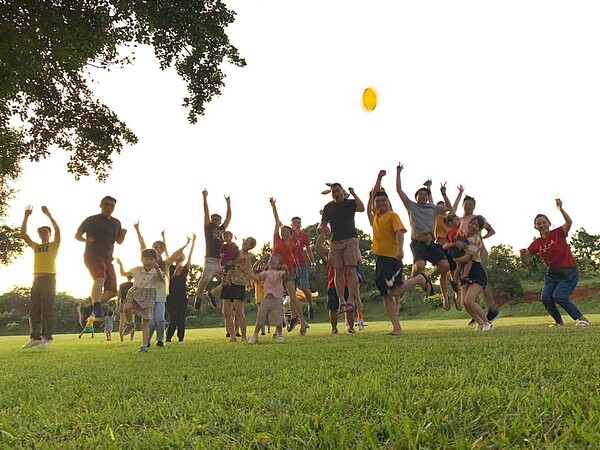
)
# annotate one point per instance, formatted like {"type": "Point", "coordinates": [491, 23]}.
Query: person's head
{"type": "Point", "coordinates": [422, 196]}
{"type": "Point", "coordinates": [227, 236]}
{"type": "Point", "coordinates": [44, 234]}
{"type": "Point", "coordinates": [107, 205]}
{"type": "Point", "coordinates": [149, 258]}
{"type": "Point", "coordinates": [337, 192]}
{"type": "Point", "coordinates": [381, 202]}
{"type": "Point", "coordinates": [476, 225]}
{"type": "Point", "coordinates": [296, 223]}
{"type": "Point", "coordinates": [274, 262]}
{"type": "Point", "coordinates": [542, 224]}
{"type": "Point", "coordinates": [159, 247]}
{"type": "Point", "coordinates": [452, 220]}
{"type": "Point", "coordinates": [469, 204]}
{"type": "Point", "coordinates": [180, 258]}
{"type": "Point", "coordinates": [216, 219]}
{"type": "Point", "coordinates": [286, 232]}
{"type": "Point", "coordinates": [248, 244]}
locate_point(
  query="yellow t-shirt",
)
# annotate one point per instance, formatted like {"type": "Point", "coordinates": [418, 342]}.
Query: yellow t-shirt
{"type": "Point", "coordinates": [384, 234]}
{"type": "Point", "coordinates": [89, 322]}
{"type": "Point", "coordinates": [44, 258]}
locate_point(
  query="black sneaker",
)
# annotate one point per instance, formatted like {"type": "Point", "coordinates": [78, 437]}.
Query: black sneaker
{"type": "Point", "coordinates": [212, 298]}
{"type": "Point", "coordinates": [227, 335]}
{"type": "Point", "coordinates": [295, 321]}
{"type": "Point", "coordinates": [160, 344]}
{"type": "Point", "coordinates": [198, 303]}
{"type": "Point", "coordinates": [492, 315]}
{"type": "Point", "coordinates": [238, 335]}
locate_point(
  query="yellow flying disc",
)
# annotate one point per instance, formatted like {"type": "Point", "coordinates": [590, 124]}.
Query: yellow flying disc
{"type": "Point", "coordinates": [369, 99]}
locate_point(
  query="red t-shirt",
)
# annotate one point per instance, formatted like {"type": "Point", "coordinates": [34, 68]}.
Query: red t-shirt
{"type": "Point", "coordinates": [455, 234]}
{"type": "Point", "coordinates": [302, 240]}
{"type": "Point", "coordinates": [554, 249]}
{"type": "Point", "coordinates": [287, 252]}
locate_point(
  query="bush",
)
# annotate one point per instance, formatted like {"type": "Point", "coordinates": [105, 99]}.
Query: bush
{"type": "Point", "coordinates": [434, 301]}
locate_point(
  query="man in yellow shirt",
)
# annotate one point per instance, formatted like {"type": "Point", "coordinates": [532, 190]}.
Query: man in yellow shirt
{"type": "Point", "coordinates": [41, 316]}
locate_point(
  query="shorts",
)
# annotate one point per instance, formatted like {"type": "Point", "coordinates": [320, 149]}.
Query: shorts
{"type": "Point", "coordinates": [477, 275]}
{"type": "Point", "coordinates": [88, 330]}
{"type": "Point", "coordinates": [427, 251]}
{"type": "Point", "coordinates": [454, 252]}
{"type": "Point", "coordinates": [233, 292]}
{"type": "Point", "coordinates": [270, 312]}
{"type": "Point", "coordinates": [212, 268]}
{"type": "Point", "coordinates": [143, 300]}
{"type": "Point", "coordinates": [100, 267]}
{"type": "Point", "coordinates": [387, 268]}
{"type": "Point", "coordinates": [344, 253]}
{"type": "Point", "coordinates": [303, 282]}
{"type": "Point", "coordinates": [333, 302]}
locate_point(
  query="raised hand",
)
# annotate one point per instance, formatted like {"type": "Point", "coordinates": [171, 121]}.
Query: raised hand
{"type": "Point", "coordinates": [28, 210]}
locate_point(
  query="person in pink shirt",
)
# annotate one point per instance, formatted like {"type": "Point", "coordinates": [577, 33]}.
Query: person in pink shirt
{"type": "Point", "coordinates": [270, 311]}
{"type": "Point", "coordinates": [563, 275]}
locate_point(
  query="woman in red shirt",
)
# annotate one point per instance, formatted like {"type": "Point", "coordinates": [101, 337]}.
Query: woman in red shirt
{"type": "Point", "coordinates": [562, 276]}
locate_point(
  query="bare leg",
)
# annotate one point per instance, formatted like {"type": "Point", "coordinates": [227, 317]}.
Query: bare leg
{"type": "Point", "coordinates": [229, 323]}
{"type": "Point", "coordinates": [391, 307]}
{"type": "Point", "coordinates": [240, 317]}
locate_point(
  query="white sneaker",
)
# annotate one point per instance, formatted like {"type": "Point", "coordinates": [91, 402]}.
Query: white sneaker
{"type": "Point", "coordinates": [280, 339]}
{"type": "Point", "coordinates": [361, 326]}
{"type": "Point", "coordinates": [32, 343]}
{"type": "Point", "coordinates": [168, 342]}
{"type": "Point", "coordinates": [555, 325]}
{"type": "Point", "coordinates": [253, 340]}
{"type": "Point", "coordinates": [582, 323]}
{"type": "Point", "coordinates": [181, 342]}
{"type": "Point", "coordinates": [488, 326]}
{"type": "Point", "coordinates": [45, 343]}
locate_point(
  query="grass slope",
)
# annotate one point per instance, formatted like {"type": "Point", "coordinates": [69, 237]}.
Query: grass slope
{"type": "Point", "coordinates": [440, 385]}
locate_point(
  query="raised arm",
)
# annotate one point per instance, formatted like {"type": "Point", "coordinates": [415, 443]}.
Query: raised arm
{"type": "Point", "coordinates": [54, 224]}
{"type": "Point", "coordinates": [139, 235]}
{"type": "Point", "coordinates": [568, 222]}
{"type": "Point", "coordinates": [370, 207]}
{"type": "Point", "coordinates": [428, 184]}
{"type": "Point", "coordinates": [228, 213]}
{"type": "Point", "coordinates": [121, 269]}
{"type": "Point", "coordinates": [206, 211]}
{"type": "Point", "coordinates": [461, 189]}
{"type": "Point", "coordinates": [275, 215]}
{"type": "Point", "coordinates": [176, 254]}
{"type": "Point", "coordinates": [401, 193]}
{"type": "Point", "coordinates": [360, 206]}
{"type": "Point", "coordinates": [189, 261]}
{"type": "Point", "coordinates": [24, 235]}
{"type": "Point", "coordinates": [164, 239]}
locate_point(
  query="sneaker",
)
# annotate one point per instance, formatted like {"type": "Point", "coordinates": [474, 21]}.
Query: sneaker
{"type": "Point", "coordinates": [238, 335]}
{"type": "Point", "coordinates": [32, 343]}
{"type": "Point", "coordinates": [280, 339]}
{"type": "Point", "coordinates": [181, 342]}
{"type": "Point", "coordinates": [262, 333]}
{"type": "Point", "coordinates": [143, 349]}
{"type": "Point", "coordinates": [160, 344]}
{"type": "Point", "coordinates": [492, 315]}
{"type": "Point", "coordinates": [295, 321]}
{"type": "Point", "coordinates": [227, 335]}
{"type": "Point", "coordinates": [351, 330]}
{"type": "Point", "coordinates": [212, 298]}
{"type": "Point", "coordinates": [489, 326]}
{"type": "Point", "coordinates": [555, 324]}
{"type": "Point", "coordinates": [582, 323]}
{"type": "Point", "coordinates": [253, 340]}
{"type": "Point", "coordinates": [129, 327]}
{"type": "Point", "coordinates": [334, 331]}
{"type": "Point", "coordinates": [361, 325]}
{"type": "Point", "coordinates": [167, 343]}
{"type": "Point", "coordinates": [45, 343]}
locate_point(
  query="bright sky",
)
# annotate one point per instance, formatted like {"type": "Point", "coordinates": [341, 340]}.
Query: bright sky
{"type": "Point", "coordinates": [501, 97]}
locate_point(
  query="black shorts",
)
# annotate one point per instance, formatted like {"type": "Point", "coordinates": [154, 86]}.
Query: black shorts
{"type": "Point", "coordinates": [477, 275]}
{"type": "Point", "coordinates": [233, 292]}
{"type": "Point", "coordinates": [333, 302]}
{"type": "Point", "coordinates": [387, 268]}
{"type": "Point", "coordinates": [427, 251]}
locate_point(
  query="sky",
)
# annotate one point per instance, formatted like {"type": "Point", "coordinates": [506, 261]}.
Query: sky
{"type": "Point", "coordinates": [501, 97]}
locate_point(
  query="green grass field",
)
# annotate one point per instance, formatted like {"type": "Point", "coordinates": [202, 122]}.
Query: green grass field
{"type": "Point", "coordinates": [440, 385]}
